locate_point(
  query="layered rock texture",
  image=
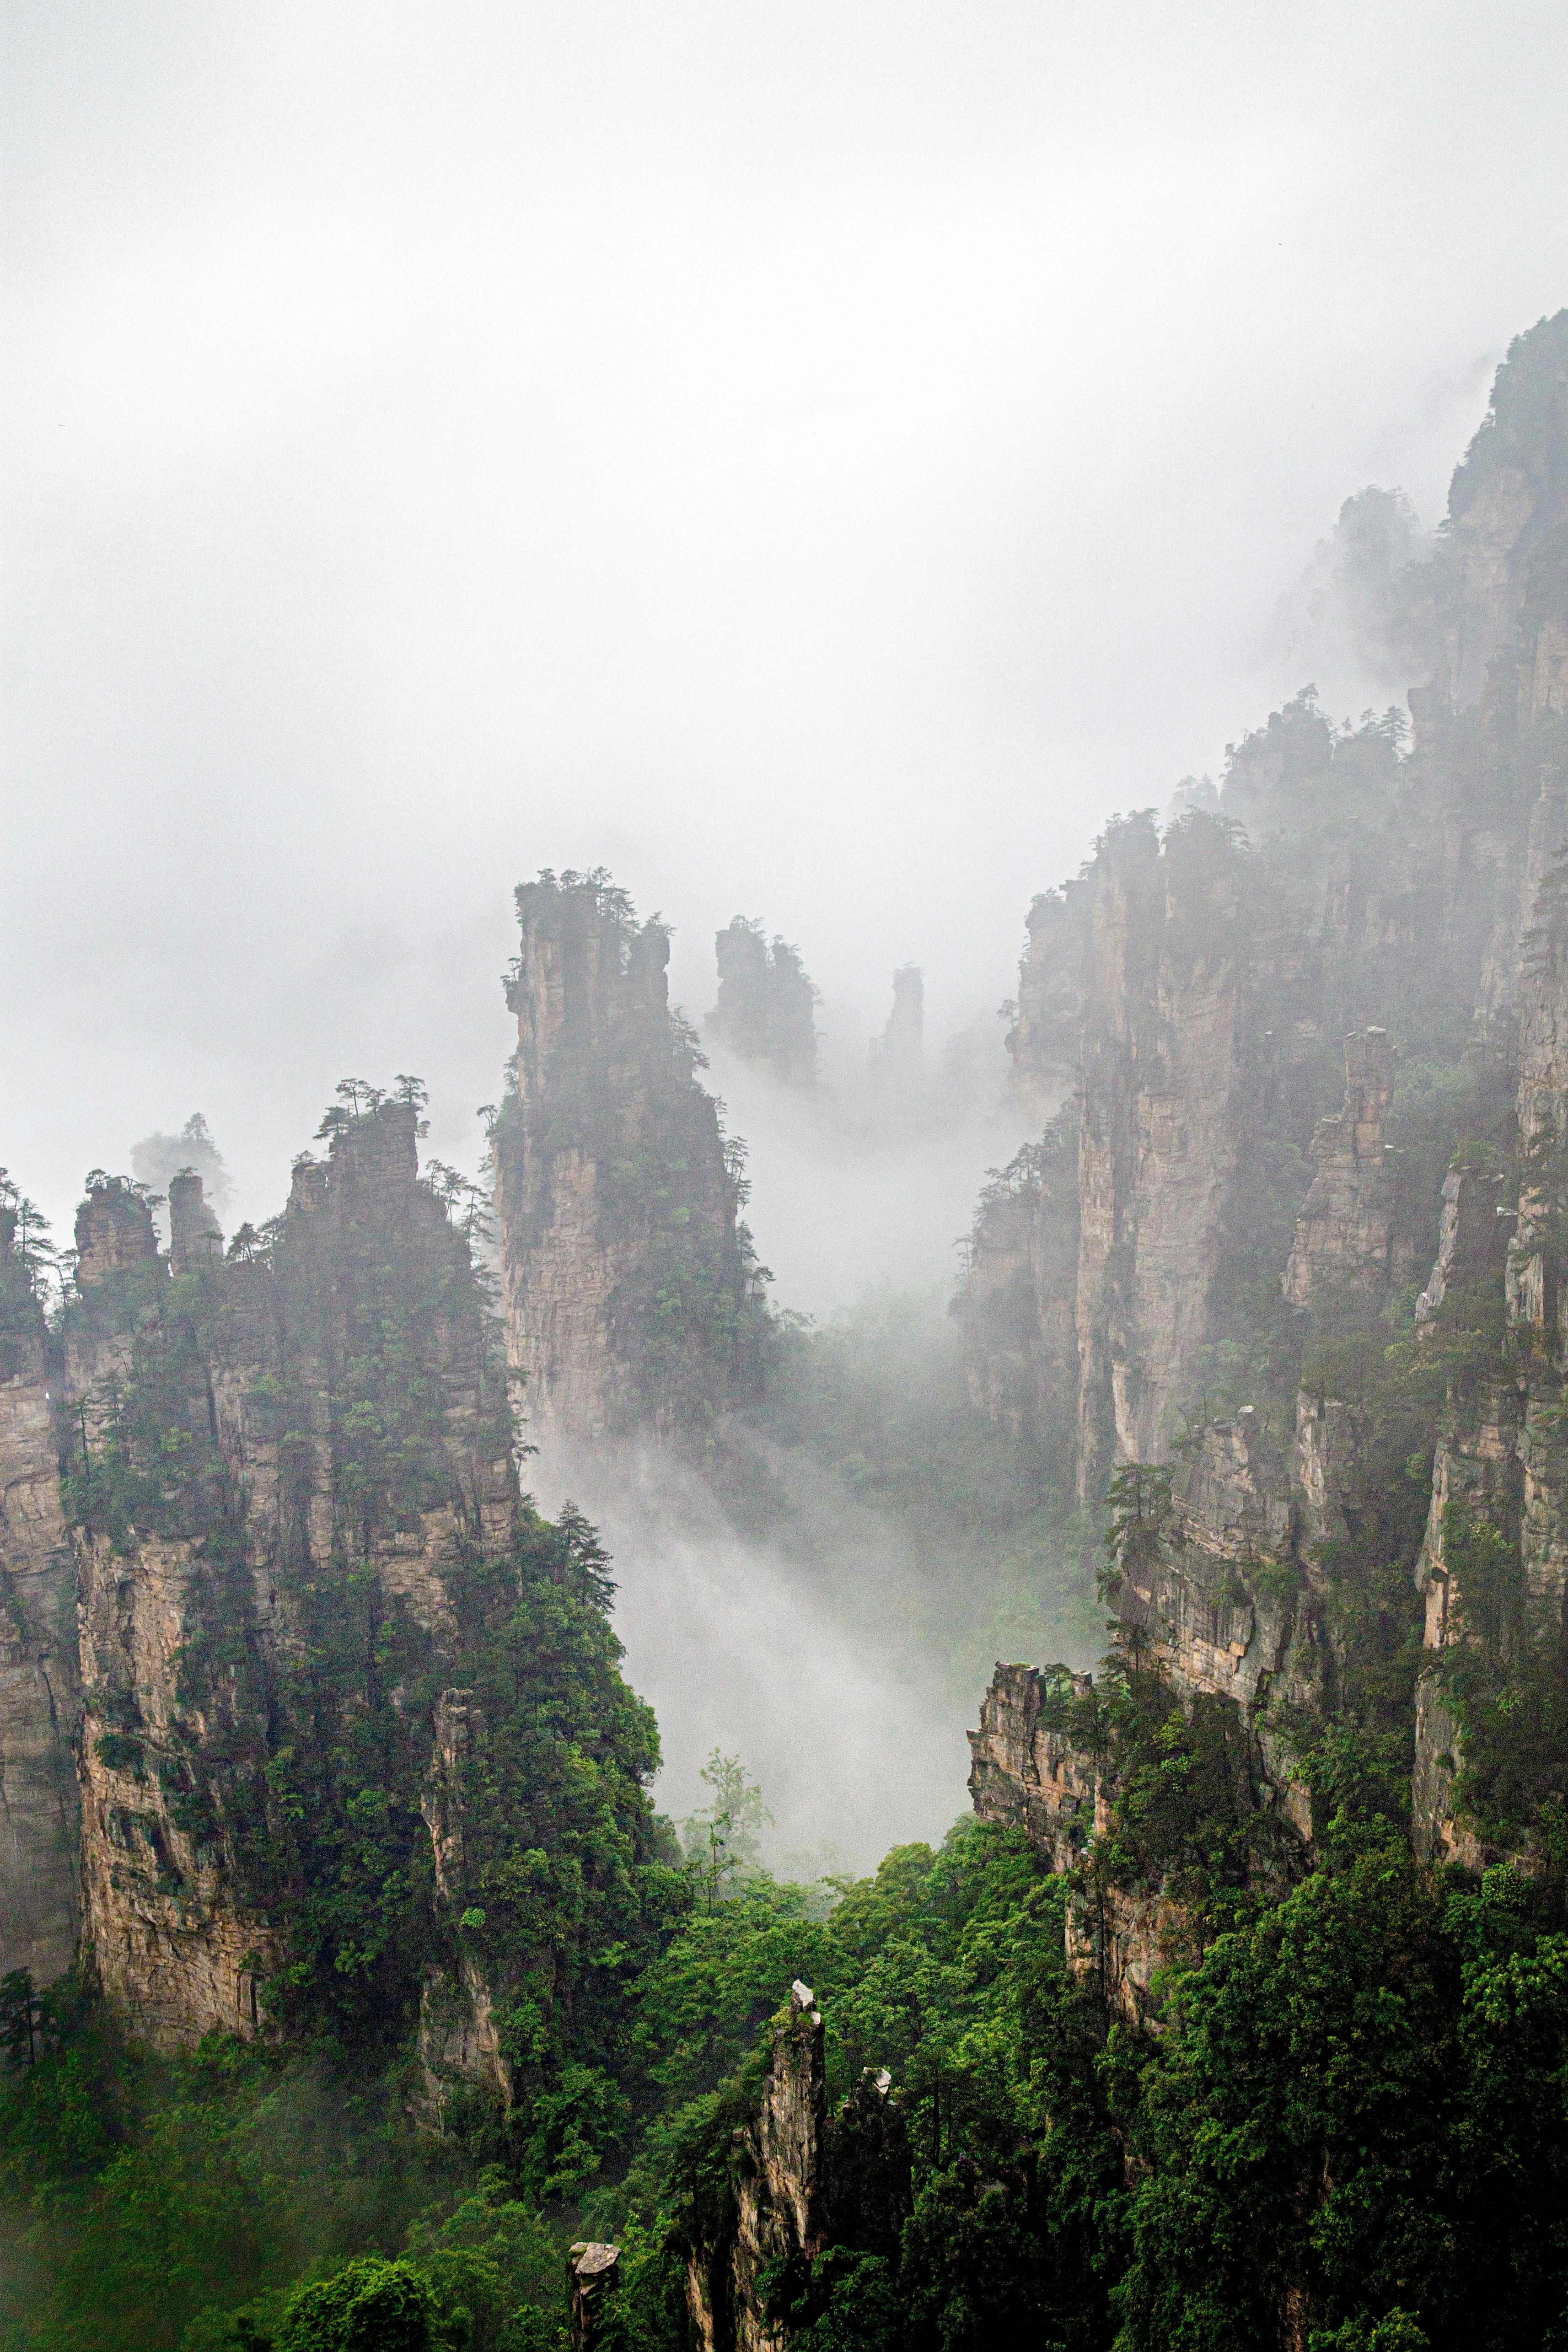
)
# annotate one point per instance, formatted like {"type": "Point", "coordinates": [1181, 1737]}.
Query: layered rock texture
{"type": "Point", "coordinates": [800, 2177]}
{"type": "Point", "coordinates": [280, 1713]}
{"type": "Point", "coordinates": [1185, 998]}
{"type": "Point", "coordinates": [1301, 1216]}
{"type": "Point", "coordinates": [631, 1295]}
{"type": "Point", "coordinates": [1345, 1232]}
{"type": "Point", "coordinates": [39, 1674]}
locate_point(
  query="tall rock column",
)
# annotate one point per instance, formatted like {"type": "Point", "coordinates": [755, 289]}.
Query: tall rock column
{"type": "Point", "coordinates": [631, 1297]}
{"type": "Point", "coordinates": [295, 1506]}
{"type": "Point", "coordinates": [39, 1682]}
{"type": "Point", "coordinates": [766, 1012]}
{"type": "Point", "coordinates": [1165, 1113]}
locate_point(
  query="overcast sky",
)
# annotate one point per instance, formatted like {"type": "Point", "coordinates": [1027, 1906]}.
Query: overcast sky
{"type": "Point", "coordinates": [817, 460]}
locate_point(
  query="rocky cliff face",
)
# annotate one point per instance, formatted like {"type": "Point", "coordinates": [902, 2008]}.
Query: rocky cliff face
{"type": "Point", "coordinates": [1166, 1107]}
{"type": "Point", "coordinates": [800, 2177]}
{"type": "Point", "coordinates": [1017, 1307]}
{"type": "Point", "coordinates": [1240, 1235]}
{"type": "Point", "coordinates": [200, 1594]}
{"type": "Point", "coordinates": [629, 1290]}
{"type": "Point", "coordinates": [1054, 982]}
{"type": "Point", "coordinates": [1222, 1621]}
{"type": "Point", "coordinates": [1345, 1234]}
{"type": "Point", "coordinates": [1027, 1768]}
{"type": "Point", "coordinates": [39, 1677]}
{"type": "Point", "coordinates": [267, 1521]}
{"type": "Point", "coordinates": [1187, 995]}
{"type": "Point", "coordinates": [1494, 1564]}
{"type": "Point", "coordinates": [1093, 1294]}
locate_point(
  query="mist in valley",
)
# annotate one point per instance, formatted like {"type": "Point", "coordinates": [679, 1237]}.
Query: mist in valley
{"type": "Point", "coordinates": [783, 941]}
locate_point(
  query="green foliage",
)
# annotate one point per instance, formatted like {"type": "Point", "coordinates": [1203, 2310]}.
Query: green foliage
{"type": "Point", "coordinates": [1139, 1505]}
{"type": "Point", "coordinates": [722, 1840]}
{"type": "Point", "coordinates": [1325, 2125]}
{"type": "Point", "coordinates": [372, 1373]}
{"type": "Point", "coordinates": [618, 1083]}
{"type": "Point", "coordinates": [368, 2307]}
{"type": "Point", "coordinates": [1504, 1675]}
{"type": "Point", "coordinates": [841, 2301]}
{"type": "Point", "coordinates": [145, 2203]}
{"type": "Point", "coordinates": [28, 1259]}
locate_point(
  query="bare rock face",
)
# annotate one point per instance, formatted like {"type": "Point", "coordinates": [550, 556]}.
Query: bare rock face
{"type": "Point", "coordinates": [898, 1056]}
{"type": "Point", "coordinates": [1507, 506]}
{"type": "Point", "coordinates": [1330, 1441]}
{"type": "Point", "coordinates": [195, 1238]}
{"type": "Point", "coordinates": [1477, 1226]}
{"type": "Point", "coordinates": [1027, 1770]}
{"type": "Point", "coordinates": [593, 2274]}
{"type": "Point", "coordinates": [801, 2179]}
{"type": "Point", "coordinates": [175, 1947]}
{"type": "Point", "coordinates": [1167, 1089]}
{"type": "Point", "coordinates": [1200, 1609]}
{"type": "Point", "coordinates": [628, 1289]}
{"type": "Point", "coordinates": [1477, 1484]}
{"type": "Point", "coordinates": [1494, 1563]}
{"type": "Point", "coordinates": [1016, 1306]}
{"type": "Point", "coordinates": [777, 2174]}
{"type": "Point", "coordinates": [114, 1234]}
{"type": "Point", "coordinates": [1345, 1231]}
{"type": "Point", "coordinates": [204, 1591]}
{"type": "Point", "coordinates": [40, 1678]}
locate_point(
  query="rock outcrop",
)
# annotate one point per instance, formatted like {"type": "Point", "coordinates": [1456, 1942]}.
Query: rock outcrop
{"type": "Point", "coordinates": [630, 1293]}
{"type": "Point", "coordinates": [897, 1072]}
{"type": "Point", "coordinates": [1017, 1307]}
{"type": "Point", "coordinates": [265, 1552]}
{"type": "Point", "coordinates": [1031, 1767]}
{"type": "Point", "coordinates": [195, 1238]}
{"type": "Point", "coordinates": [1179, 997]}
{"type": "Point", "coordinates": [39, 1676]}
{"type": "Point", "coordinates": [1165, 1111]}
{"type": "Point", "coordinates": [593, 2276]}
{"type": "Point", "coordinates": [1225, 1624]}
{"type": "Point", "coordinates": [800, 2178]}
{"type": "Point", "coordinates": [1054, 981]}
{"type": "Point", "coordinates": [256, 1380]}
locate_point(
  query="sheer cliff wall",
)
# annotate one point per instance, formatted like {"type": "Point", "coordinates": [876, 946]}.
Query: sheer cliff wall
{"type": "Point", "coordinates": [630, 1293]}
{"type": "Point", "coordinates": [202, 1593]}
{"type": "Point", "coordinates": [39, 1674]}
{"type": "Point", "coordinates": [275, 1722]}
{"type": "Point", "coordinates": [1318, 1131]}
{"type": "Point", "coordinates": [1182, 1004]}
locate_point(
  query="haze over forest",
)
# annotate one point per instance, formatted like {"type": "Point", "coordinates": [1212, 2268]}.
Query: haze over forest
{"type": "Point", "coordinates": [783, 1235]}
